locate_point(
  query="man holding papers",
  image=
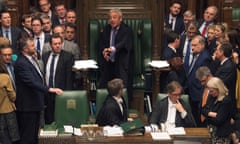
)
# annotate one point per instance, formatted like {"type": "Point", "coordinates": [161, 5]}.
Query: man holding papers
{"type": "Point", "coordinates": [172, 111]}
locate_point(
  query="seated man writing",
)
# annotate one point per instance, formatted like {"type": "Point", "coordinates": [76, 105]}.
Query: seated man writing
{"type": "Point", "coordinates": [114, 109]}
{"type": "Point", "coordinates": [172, 111]}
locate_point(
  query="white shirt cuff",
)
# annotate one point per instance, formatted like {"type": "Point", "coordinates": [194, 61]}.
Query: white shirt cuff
{"type": "Point", "coordinates": [183, 114]}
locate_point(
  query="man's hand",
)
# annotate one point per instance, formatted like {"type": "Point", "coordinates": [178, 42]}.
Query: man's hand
{"type": "Point", "coordinates": [57, 91]}
{"type": "Point", "coordinates": [212, 114]}
{"type": "Point", "coordinates": [179, 106]}
{"type": "Point", "coordinates": [106, 52]}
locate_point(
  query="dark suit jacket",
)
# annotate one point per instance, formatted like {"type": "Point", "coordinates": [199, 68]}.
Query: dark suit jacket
{"type": "Point", "coordinates": [124, 58]}
{"type": "Point", "coordinates": [227, 72]}
{"type": "Point", "coordinates": [179, 25]}
{"type": "Point", "coordinates": [223, 110]}
{"type": "Point", "coordinates": [16, 35]}
{"type": "Point", "coordinates": [160, 114]}
{"type": "Point", "coordinates": [63, 73]}
{"type": "Point", "coordinates": [193, 85]}
{"type": "Point", "coordinates": [110, 113]}
{"type": "Point", "coordinates": [30, 86]}
{"type": "Point", "coordinates": [168, 53]}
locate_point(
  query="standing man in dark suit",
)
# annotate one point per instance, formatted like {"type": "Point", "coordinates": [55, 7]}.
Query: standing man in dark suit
{"type": "Point", "coordinates": [6, 56]}
{"type": "Point", "coordinates": [172, 111]}
{"type": "Point", "coordinates": [26, 25]}
{"type": "Point", "coordinates": [30, 92]}
{"type": "Point", "coordinates": [174, 19]}
{"type": "Point", "coordinates": [61, 12]}
{"type": "Point", "coordinates": [12, 33]}
{"type": "Point", "coordinates": [114, 109]}
{"type": "Point", "coordinates": [209, 18]}
{"type": "Point", "coordinates": [227, 71]}
{"type": "Point", "coordinates": [46, 7]}
{"type": "Point", "coordinates": [201, 57]}
{"type": "Point", "coordinates": [116, 52]}
{"type": "Point", "coordinates": [58, 73]}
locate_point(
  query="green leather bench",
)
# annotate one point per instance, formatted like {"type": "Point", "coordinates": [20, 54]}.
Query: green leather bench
{"type": "Point", "coordinates": [142, 29]}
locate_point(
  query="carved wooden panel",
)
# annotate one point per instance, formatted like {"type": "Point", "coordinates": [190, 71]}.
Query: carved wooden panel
{"type": "Point", "coordinates": [130, 8]}
{"type": "Point", "coordinates": [15, 7]}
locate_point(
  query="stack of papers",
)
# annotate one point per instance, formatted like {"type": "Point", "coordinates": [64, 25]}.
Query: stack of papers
{"type": "Point", "coordinates": [160, 136]}
{"type": "Point", "coordinates": [176, 131]}
{"type": "Point", "coordinates": [159, 63]}
{"type": "Point", "coordinates": [85, 64]}
{"type": "Point", "coordinates": [112, 131]}
{"type": "Point", "coordinates": [68, 129]}
{"type": "Point", "coordinates": [48, 133]}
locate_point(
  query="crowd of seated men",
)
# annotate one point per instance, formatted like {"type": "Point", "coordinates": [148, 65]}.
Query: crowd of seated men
{"type": "Point", "coordinates": [194, 43]}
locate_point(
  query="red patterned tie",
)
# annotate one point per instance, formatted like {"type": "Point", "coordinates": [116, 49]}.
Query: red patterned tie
{"type": "Point", "coordinates": [205, 29]}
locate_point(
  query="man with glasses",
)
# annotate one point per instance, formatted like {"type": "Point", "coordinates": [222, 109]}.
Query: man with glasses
{"type": "Point", "coordinates": [171, 110]}
{"type": "Point", "coordinates": [203, 74]}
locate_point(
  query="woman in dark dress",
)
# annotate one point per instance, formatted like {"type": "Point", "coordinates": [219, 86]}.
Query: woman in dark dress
{"type": "Point", "coordinates": [218, 111]}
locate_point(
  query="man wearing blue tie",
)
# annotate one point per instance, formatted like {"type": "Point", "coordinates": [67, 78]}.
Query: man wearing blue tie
{"type": "Point", "coordinates": [6, 56]}
{"type": "Point", "coordinates": [116, 51]}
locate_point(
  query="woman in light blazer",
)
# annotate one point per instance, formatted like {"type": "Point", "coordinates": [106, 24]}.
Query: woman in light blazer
{"type": "Point", "coordinates": [8, 122]}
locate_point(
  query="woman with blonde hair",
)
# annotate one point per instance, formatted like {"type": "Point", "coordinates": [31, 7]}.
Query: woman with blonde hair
{"type": "Point", "coordinates": [218, 111]}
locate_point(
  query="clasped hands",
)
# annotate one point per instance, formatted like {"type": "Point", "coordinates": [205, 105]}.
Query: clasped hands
{"type": "Point", "coordinates": [106, 53]}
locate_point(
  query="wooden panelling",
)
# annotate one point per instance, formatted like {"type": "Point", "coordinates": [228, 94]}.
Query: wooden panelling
{"type": "Point", "coordinates": [131, 8]}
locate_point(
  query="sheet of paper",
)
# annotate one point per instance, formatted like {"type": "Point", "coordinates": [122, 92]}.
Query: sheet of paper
{"type": "Point", "coordinates": [160, 136]}
{"type": "Point", "coordinates": [159, 63]}
{"type": "Point", "coordinates": [48, 133]}
{"type": "Point", "coordinates": [78, 132]}
{"type": "Point", "coordinates": [68, 129]}
{"type": "Point", "coordinates": [85, 64]}
{"type": "Point", "coordinates": [112, 131]}
{"type": "Point", "coordinates": [176, 131]}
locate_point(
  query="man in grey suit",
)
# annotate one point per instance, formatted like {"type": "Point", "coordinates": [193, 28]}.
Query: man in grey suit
{"type": "Point", "coordinates": [68, 46]}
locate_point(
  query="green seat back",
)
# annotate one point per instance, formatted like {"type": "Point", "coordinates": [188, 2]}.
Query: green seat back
{"type": "Point", "coordinates": [101, 95]}
{"type": "Point", "coordinates": [71, 108]}
{"type": "Point", "coordinates": [236, 13]}
{"type": "Point", "coordinates": [184, 97]}
{"type": "Point", "coordinates": [142, 30]}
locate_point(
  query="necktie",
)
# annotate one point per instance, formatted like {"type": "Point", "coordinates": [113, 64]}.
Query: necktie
{"type": "Point", "coordinates": [11, 74]}
{"type": "Point", "coordinates": [187, 56]}
{"type": "Point", "coordinates": [35, 63]}
{"type": "Point", "coordinates": [192, 63]}
{"type": "Point", "coordinates": [112, 44]}
{"type": "Point", "coordinates": [204, 101]}
{"type": "Point", "coordinates": [171, 23]}
{"type": "Point", "coordinates": [50, 83]}
{"type": "Point", "coordinates": [6, 34]}
{"type": "Point", "coordinates": [38, 48]}
{"type": "Point", "coordinates": [205, 29]}
{"type": "Point", "coordinates": [113, 37]}
{"type": "Point", "coordinates": [63, 21]}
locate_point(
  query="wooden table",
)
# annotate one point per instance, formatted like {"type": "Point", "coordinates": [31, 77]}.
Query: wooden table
{"type": "Point", "coordinates": [192, 135]}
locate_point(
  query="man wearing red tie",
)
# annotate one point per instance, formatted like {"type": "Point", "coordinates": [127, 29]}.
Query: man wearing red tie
{"type": "Point", "coordinates": [209, 18]}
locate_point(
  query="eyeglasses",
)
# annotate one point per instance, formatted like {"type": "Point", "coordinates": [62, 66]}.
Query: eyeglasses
{"type": "Point", "coordinates": [176, 94]}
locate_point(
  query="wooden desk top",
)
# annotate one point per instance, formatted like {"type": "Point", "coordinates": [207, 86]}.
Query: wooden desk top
{"type": "Point", "coordinates": [192, 134]}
